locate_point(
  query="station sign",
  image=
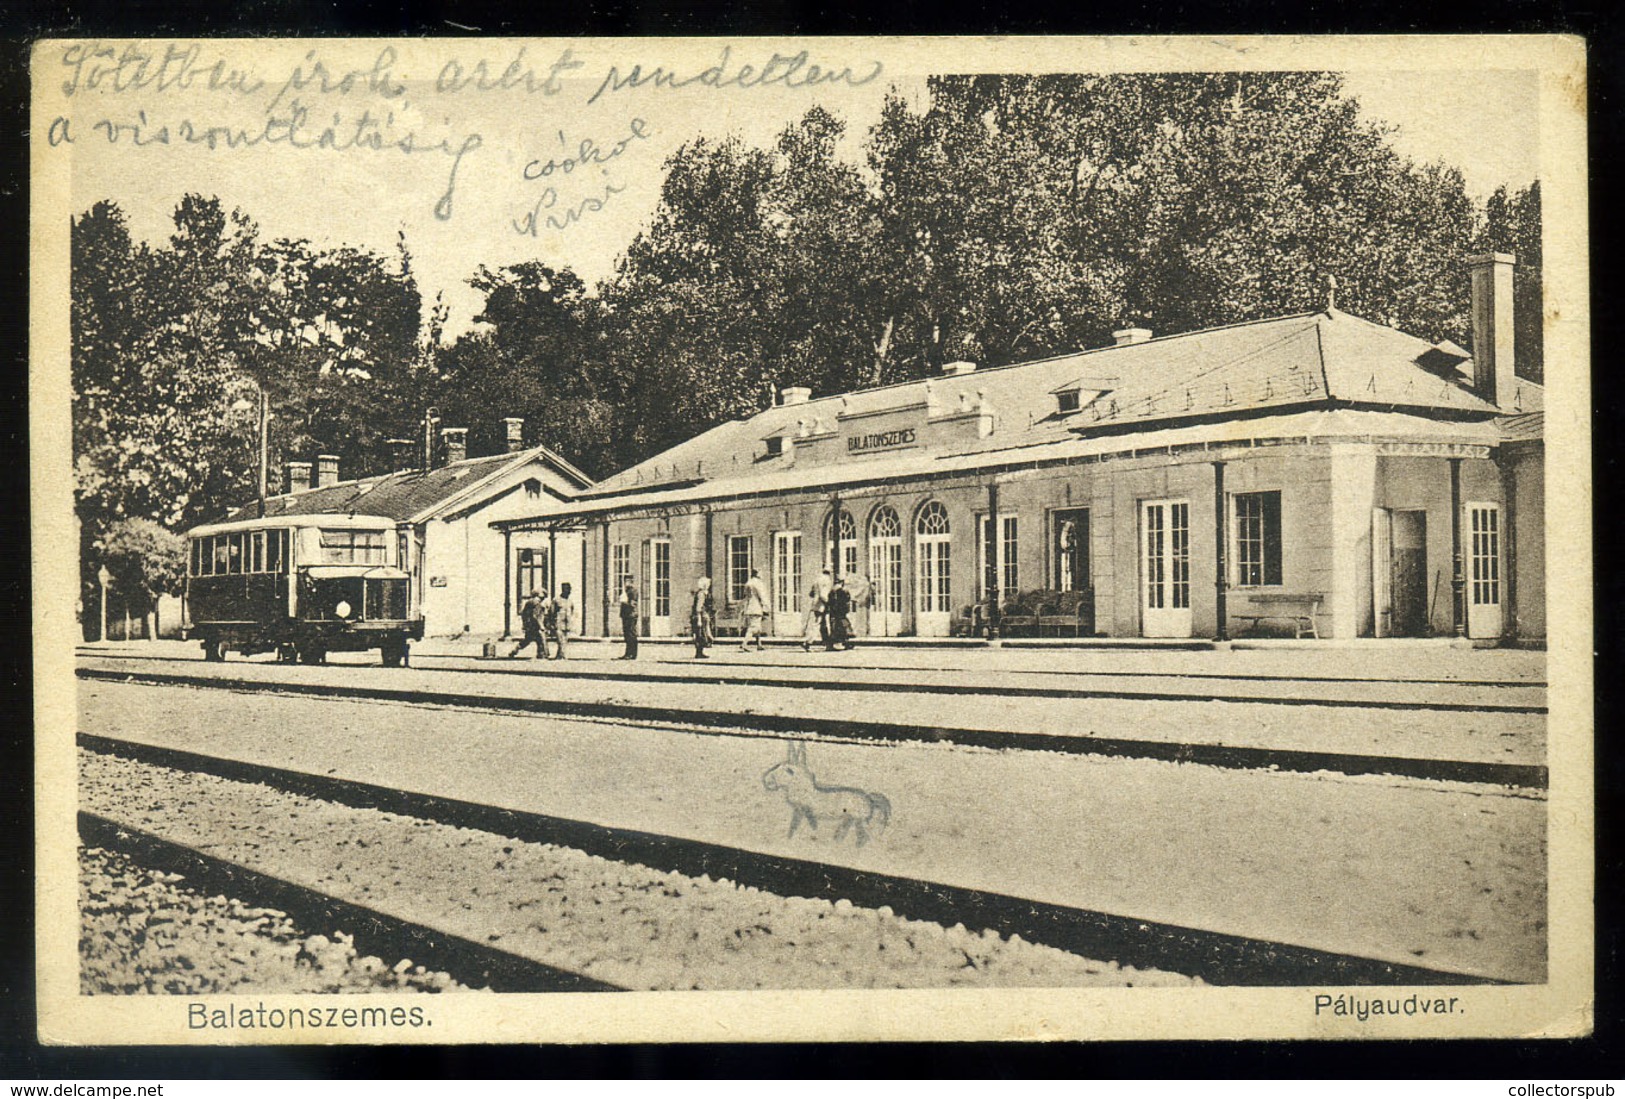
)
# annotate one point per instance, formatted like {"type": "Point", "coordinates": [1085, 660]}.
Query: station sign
{"type": "Point", "coordinates": [880, 440]}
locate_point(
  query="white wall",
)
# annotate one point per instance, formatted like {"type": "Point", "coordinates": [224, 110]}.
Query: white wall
{"type": "Point", "coordinates": [464, 569]}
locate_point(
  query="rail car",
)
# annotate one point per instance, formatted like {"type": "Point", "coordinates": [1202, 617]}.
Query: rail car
{"type": "Point", "coordinates": [301, 587]}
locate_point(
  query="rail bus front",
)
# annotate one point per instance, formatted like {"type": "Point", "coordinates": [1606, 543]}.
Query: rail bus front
{"type": "Point", "coordinates": [301, 588]}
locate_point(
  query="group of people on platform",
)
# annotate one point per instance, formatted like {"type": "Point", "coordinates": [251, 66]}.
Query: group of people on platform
{"type": "Point", "coordinates": [549, 622]}
{"type": "Point", "coordinates": [828, 619]}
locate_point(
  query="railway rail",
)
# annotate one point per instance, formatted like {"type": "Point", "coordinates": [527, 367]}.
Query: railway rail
{"type": "Point", "coordinates": [1213, 957]}
{"type": "Point", "coordinates": [860, 679]}
{"type": "Point", "coordinates": [724, 722]}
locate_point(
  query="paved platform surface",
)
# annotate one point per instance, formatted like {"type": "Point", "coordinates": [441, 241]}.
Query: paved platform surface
{"type": "Point", "coordinates": [1420, 873]}
{"type": "Point", "coordinates": [1172, 698]}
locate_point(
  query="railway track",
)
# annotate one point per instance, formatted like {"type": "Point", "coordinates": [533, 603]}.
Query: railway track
{"type": "Point", "coordinates": [1124, 942]}
{"type": "Point", "coordinates": [375, 931]}
{"type": "Point", "coordinates": [725, 722]}
{"type": "Point", "coordinates": [861, 680]}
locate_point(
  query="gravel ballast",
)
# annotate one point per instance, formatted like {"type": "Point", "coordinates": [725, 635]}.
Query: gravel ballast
{"type": "Point", "coordinates": [144, 930]}
{"type": "Point", "coordinates": [622, 923]}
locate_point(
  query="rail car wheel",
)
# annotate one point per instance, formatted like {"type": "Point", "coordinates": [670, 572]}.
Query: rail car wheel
{"type": "Point", "coordinates": [312, 656]}
{"type": "Point", "coordinates": [214, 650]}
{"type": "Point", "coordinates": [394, 654]}
{"type": "Point", "coordinates": [286, 654]}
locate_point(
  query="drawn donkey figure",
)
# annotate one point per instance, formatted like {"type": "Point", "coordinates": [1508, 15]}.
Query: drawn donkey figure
{"type": "Point", "coordinates": [810, 800]}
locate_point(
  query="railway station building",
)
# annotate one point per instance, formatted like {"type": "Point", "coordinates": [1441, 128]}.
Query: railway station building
{"type": "Point", "coordinates": [467, 577]}
{"type": "Point", "coordinates": [1318, 475]}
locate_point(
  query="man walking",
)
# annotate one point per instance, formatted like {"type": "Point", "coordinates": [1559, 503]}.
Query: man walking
{"type": "Point", "coordinates": [701, 615]}
{"type": "Point", "coordinates": [564, 621]}
{"type": "Point", "coordinates": [755, 610]}
{"type": "Point", "coordinates": [629, 621]}
{"type": "Point", "coordinates": [530, 617]}
{"type": "Point", "coordinates": [837, 612]}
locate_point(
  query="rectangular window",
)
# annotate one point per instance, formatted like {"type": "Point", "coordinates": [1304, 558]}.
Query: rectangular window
{"type": "Point", "coordinates": [353, 547]}
{"type": "Point", "coordinates": [661, 552]}
{"type": "Point", "coordinates": [236, 556]}
{"type": "Point", "coordinates": [531, 575]}
{"type": "Point", "coordinates": [1258, 538]}
{"type": "Point", "coordinates": [787, 572]}
{"type": "Point", "coordinates": [221, 556]}
{"type": "Point", "coordinates": [1009, 578]}
{"type": "Point", "coordinates": [741, 559]}
{"type": "Point", "coordinates": [1486, 555]}
{"type": "Point", "coordinates": [620, 566]}
{"type": "Point", "coordinates": [194, 564]}
{"type": "Point", "coordinates": [275, 547]}
{"type": "Point", "coordinates": [1008, 562]}
{"type": "Point", "coordinates": [258, 564]}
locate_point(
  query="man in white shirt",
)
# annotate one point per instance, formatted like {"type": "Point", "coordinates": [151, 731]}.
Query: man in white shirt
{"type": "Point", "coordinates": [755, 610]}
{"type": "Point", "coordinates": [564, 620]}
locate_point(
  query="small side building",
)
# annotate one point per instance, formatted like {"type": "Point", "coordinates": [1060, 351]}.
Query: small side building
{"type": "Point", "coordinates": [467, 576]}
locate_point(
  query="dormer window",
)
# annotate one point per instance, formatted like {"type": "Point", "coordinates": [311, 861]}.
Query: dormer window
{"type": "Point", "coordinates": [775, 445]}
{"type": "Point", "coordinates": [1068, 400]}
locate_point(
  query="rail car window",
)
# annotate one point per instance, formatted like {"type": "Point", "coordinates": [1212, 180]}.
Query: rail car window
{"type": "Point", "coordinates": [251, 551]}
{"type": "Point", "coordinates": [353, 547]}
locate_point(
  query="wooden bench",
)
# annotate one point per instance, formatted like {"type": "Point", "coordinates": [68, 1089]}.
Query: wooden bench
{"type": "Point", "coordinates": [1299, 608]}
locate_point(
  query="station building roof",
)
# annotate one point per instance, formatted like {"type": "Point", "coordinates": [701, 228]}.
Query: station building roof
{"type": "Point", "coordinates": [409, 495]}
{"type": "Point", "coordinates": [1314, 361]}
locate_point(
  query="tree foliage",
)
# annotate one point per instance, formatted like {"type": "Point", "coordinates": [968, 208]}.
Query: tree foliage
{"type": "Point", "coordinates": [1003, 218]}
{"type": "Point", "coordinates": [172, 346]}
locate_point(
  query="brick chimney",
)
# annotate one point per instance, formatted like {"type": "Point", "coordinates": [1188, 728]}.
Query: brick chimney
{"type": "Point", "coordinates": [401, 454]}
{"type": "Point", "coordinates": [1493, 331]}
{"type": "Point", "coordinates": [456, 443]}
{"type": "Point", "coordinates": [1125, 336]}
{"type": "Point", "coordinates": [296, 477]}
{"type": "Point", "coordinates": [958, 367]}
{"type": "Point", "coordinates": [795, 394]}
{"type": "Point", "coordinates": [514, 427]}
{"type": "Point", "coordinates": [327, 470]}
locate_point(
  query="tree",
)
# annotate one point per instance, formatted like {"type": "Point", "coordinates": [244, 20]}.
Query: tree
{"type": "Point", "coordinates": [145, 560]}
{"type": "Point", "coordinates": [1030, 215]}
{"type": "Point", "coordinates": [1512, 224]}
{"type": "Point", "coordinates": [536, 357]}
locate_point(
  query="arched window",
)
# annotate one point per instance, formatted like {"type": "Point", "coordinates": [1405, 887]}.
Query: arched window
{"type": "Point", "coordinates": [931, 543]}
{"type": "Point", "coordinates": [849, 544]}
{"type": "Point", "coordinates": [933, 520]}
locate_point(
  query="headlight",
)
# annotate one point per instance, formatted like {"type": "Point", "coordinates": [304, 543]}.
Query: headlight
{"type": "Point", "coordinates": [343, 608]}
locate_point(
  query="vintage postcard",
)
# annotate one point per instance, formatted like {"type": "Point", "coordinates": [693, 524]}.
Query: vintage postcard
{"type": "Point", "coordinates": [835, 539]}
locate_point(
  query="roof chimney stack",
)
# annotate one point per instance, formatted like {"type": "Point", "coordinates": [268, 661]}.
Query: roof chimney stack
{"type": "Point", "coordinates": [514, 426]}
{"type": "Point", "coordinates": [456, 440]}
{"type": "Point", "coordinates": [1126, 336]}
{"type": "Point", "coordinates": [959, 367]}
{"type": "Point", "coordinates": [401, 457]}
{"type": "Point", "coordinates": [327, 470]}
{"type": "Point", "coordinates": [295, 477]}
{"type": "Point", "coordinates": [795, 394]}
{"type": "Point", "coordinates": [1493, 376]}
